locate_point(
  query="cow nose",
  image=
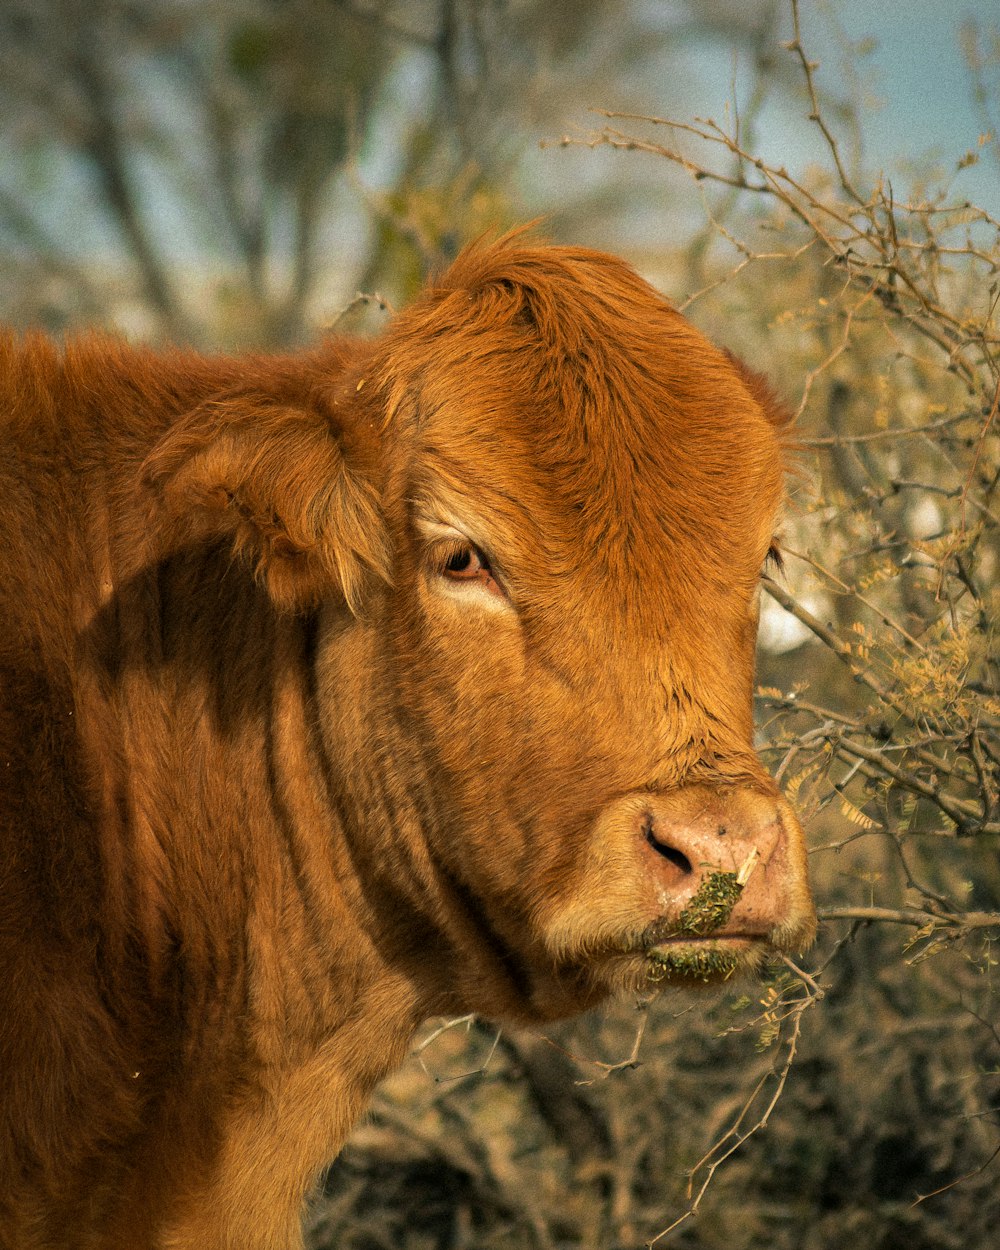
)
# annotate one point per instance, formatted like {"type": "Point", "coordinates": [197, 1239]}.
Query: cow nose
{"type": "Point", "coordinates": [697, 832]}
{"type": "Point", "coordinates": [672, 854]}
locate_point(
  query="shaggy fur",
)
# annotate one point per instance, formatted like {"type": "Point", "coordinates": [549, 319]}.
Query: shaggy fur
{"type": "Point", "coordinates": [346, 687]}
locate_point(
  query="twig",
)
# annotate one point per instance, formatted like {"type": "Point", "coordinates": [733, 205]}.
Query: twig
{"type": "Point", "coordinates": [461, 1021]}
{"type": "Point", "coordinates": [912, 916]}
{"type": "Point", "coordinates": [623, 1065]}
{"type": "Point", "coordinates": [958, 1181]}
{"type": "Point", "coordinates": [856, 594]}
{"type": "Point", "coordinates": [840, 648]}
{"type": "Point", "coordinates": [874, 436]}
{"type": "Point", "coordinates": [795, 45]}
{"type": "Point", "coordinates": [736, 1135]}
{"type": "Point", "coordinates": [979, 449]}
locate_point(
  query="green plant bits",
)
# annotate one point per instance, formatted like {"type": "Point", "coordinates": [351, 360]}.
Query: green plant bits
{"type": "Point", "coordinates": [707, 911]}
{"type": "Point", "coordinates": [692, 963]}
{"type": "Point", "coordinates": [711, 905]}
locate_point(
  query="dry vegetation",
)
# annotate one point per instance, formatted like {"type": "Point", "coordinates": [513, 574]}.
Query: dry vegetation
{"type": "Point", "coordinates": [855, 1100]}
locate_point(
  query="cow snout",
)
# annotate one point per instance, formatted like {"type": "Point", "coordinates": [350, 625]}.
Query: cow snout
{"type": "Point", "coordinates": [727, 862]}
{"type": "Point", "coordinates": [696, 884]}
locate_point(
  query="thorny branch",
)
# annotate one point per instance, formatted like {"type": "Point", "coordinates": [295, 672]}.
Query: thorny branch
{"type": "Point", "coordinates": [751, 1120]}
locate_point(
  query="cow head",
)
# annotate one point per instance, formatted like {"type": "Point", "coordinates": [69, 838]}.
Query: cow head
{"type": "Point", "coordinates": [539, 716]}
{"type": "Point", "coordinates": [585, 499]}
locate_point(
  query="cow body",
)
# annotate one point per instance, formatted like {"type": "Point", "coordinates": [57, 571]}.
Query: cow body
{"type": "Point", "coordinates": [350, 687]}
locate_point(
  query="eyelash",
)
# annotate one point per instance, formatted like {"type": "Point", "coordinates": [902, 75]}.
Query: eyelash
{"type": "Point", "coordinates": [774, 559]}
{"type": "Point", "coordinates": [461, 561]}
{"type": "Point", "coordinates": [453, 557]}
{"type": "Point", "coordinates": [448, 556]}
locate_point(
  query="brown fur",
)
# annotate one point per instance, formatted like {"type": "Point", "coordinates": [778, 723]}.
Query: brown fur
{"type": "Point", "coordinates": [276, 783]}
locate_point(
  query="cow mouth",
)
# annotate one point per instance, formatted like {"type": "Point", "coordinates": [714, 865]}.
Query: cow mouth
{"type": "Point", "coordinates": [686, 960]}
{"type": "Point", "coordinates": [656, 960]}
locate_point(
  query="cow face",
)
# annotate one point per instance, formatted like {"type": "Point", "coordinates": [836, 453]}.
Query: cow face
{"type": "Point", "coordinates": [584, 498]}
{"type": "Point", "coordinates": [533, 518]}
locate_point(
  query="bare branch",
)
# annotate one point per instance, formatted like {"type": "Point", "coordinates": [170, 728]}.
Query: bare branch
{"type": "Point", "coordinates": [105, 147]}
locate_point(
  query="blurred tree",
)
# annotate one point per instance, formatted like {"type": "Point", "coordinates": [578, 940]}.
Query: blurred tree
{"type": "Point", "coordinates": [231, 170]}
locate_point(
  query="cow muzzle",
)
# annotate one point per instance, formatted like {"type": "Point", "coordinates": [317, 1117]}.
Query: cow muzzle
{"type": "Point", "coordinates": [695, 884]}
{"type": "Point", "coordinates": [727, 872]}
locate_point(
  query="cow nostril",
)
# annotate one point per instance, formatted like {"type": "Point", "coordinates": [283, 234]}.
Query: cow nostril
{"type": "Point", "coordinates": [670, 853]}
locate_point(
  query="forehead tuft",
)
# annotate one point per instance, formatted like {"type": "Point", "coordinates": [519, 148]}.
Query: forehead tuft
{"type": "Point", "coordinates": [566, 360]}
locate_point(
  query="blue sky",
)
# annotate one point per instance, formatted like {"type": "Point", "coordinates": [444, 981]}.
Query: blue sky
{"type": "Point", "coordinates": [899, 64]}
{"type": "Point", "coordinates": [916, 88]}
{"type": "Point", "coordinates": [913, 91]}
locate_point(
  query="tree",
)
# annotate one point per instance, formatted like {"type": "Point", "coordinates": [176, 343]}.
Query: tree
{"type": "Point", "coordinates": [176, 135]}
{"type": "Point", "coordinates": [231, 171]}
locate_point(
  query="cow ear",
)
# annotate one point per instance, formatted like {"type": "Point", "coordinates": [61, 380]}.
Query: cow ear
{"type": "Point", "coordinates": [775, 409]}
{"type": "Point", "coordinates": [280, 484]}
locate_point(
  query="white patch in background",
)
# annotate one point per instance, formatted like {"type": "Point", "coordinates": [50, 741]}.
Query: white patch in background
{"type": "Point", "coordinates": [924, 519]}
{"type": "Point", "coordinates": [780, 631]}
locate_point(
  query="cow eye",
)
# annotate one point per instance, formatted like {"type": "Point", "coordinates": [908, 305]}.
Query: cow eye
{"type": "Point", "coordinates": [774, 561]}
{"type": "Point", "coordinates": [465, 563]}
{"type": "Point", "coordinates": [462, 561]}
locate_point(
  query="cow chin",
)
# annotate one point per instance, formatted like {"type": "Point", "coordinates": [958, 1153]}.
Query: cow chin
{"type": "Point", "coordinates": [706, 961]}
{"type": "Point", "coordinates": [680, 962]}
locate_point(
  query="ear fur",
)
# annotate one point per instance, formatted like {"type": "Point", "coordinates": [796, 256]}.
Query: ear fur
{"type": "Point", "coordinates": [274, 479]}
{"type": "Point", "coordinates": [776, 411]}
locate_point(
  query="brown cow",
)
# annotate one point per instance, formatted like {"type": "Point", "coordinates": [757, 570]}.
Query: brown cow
{"type": "Point", "coordinates": [351, 686]}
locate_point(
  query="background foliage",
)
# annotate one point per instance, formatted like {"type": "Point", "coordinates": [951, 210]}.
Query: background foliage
{"type": "Point", "coordinates": [229, 173]}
